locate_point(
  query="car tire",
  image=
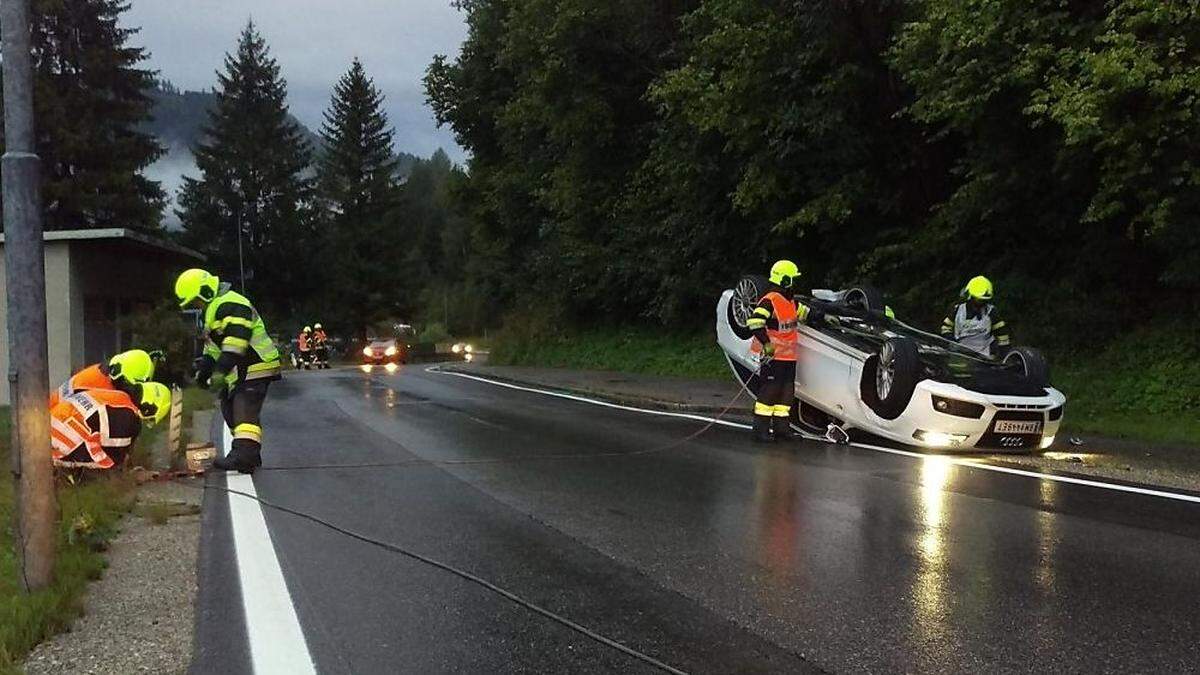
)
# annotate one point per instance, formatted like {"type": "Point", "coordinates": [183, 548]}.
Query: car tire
{"type": "Point", "coordinates": [865, 297]}
{"type": "Point", "coordinates": [1031, 363]}
{"type": "Point", "coordinates": [888, 393]}
{"type": "Point", "coordinates": [746, 294]}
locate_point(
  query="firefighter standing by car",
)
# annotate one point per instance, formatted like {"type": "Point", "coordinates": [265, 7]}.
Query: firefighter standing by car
{"type": "Point", "coordinates": [305, 347]}
{"type": "Point", "coordinates": [320, 346]}
{"type": "Point", "coordinates": [775, 321]}
{"type": "Point", "coordinates": [975, 324]}
{"type": "Point", "coordinates": [94, 428]}
{"type": "Point", "coordinates": [122, 372]}
{"type": "Point", "coordinates": [239, 362]}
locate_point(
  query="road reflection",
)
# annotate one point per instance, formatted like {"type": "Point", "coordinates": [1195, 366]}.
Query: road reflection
{"type": "Point", "coordinates": [930, 586]}
{"type": "Point", "coordinates": [776, 506]}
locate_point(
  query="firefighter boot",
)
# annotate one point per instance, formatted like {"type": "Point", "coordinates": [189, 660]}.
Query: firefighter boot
{"type": "Point", "coordinates": [782, 428]}
{"type": "Point", "coordinates": [762, 429]}
{"type": "Point", "coordinates": [243, 458]}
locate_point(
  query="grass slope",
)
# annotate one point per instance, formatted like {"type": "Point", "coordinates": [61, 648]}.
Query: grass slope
{"type": "Point", "coordinates": [1145, 385]}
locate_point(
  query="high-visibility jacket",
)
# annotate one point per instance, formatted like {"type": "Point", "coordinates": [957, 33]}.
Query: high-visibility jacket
{"type": "Point", "coordinates": [93, 428]}
{"type": "Point", "coordinates": [302, 342]}
{"type": "Point", "coordinates": [93, 377]}
{"type": "Point", "coordinates": [319, 337]}
{"type": "Point", "coordinates": [980, 330]}
{"type": "Point", "coordinates": [237, 339]}
{"type": "Point", "coordinates": [776, 319]}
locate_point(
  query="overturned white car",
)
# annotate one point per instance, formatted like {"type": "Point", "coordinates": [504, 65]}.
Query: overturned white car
{"type": "Point", "coordinates": [861, 369]}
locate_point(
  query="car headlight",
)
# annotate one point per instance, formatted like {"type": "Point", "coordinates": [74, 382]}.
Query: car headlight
{"type": "Point", "coordinates": [937, 439]}
{"type": "Point", "coordinates": [390, 351]}
{"type": "Point", "coordinates": [957, 408]}
{"type": "Point", "coordinates": [366, 351]}
{"type": "Point", "coordinates": [468, 349]}
{"type": "Point", "coordinates": [457, 348]}
{"type": "Point", "coordinates": [1047, 441]}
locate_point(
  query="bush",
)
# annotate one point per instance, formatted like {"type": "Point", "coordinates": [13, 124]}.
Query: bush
{"type": "Point", "coordinates": [165, 328]}
{"type": "Point", "coordinates": [434, 332]}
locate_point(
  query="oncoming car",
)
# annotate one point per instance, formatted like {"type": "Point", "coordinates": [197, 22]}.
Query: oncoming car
{"type": "Point", "coordinates": [862, 369]}
{"type": "Point", "coordinates": [384, 350]}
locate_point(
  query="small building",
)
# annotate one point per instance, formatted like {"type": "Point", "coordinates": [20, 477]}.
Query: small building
{"type": "Point", "coordinates": [87, 295]}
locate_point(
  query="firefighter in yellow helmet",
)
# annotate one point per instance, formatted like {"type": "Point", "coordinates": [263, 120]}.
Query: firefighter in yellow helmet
{"type": "Point", "coordinates": [974, 323]}
{"type": "Point", "coordinates": [95, 428]}
{"type": "Point", "coordinates": [775, 323]}
{"type": "Point", "coordinates": [239, 362]}
{"type": "Point", "coordinates": [123, 372]}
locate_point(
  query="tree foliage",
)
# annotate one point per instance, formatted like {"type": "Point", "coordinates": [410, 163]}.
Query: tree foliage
{"type": "Point", "coordinates": [254, 178]}
{"type": "Point", "coordinates": [90, 96]}
{"type": "Point", "coordinates": [629, 159]}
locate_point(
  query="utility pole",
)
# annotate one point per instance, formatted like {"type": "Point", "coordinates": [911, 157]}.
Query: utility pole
{"type": "Point", "coordinates": [25, 270]}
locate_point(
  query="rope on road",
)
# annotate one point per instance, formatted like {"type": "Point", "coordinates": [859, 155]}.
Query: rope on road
{"type": "Point", "coordinates": [463, 574]}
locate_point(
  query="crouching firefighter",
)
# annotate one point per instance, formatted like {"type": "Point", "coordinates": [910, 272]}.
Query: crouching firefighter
{"type": "Point", "coordinates": [122, 372]}
{"type": "Point", "coordinates": [95, 428]}
{"type": "Point", "coordinates": [775, 324]}
{"type": "Point", "coordinates": [238, 364]}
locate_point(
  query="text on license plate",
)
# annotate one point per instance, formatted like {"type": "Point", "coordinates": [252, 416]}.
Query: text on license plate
{"type": "Point", "coordinates": [1011, 427]}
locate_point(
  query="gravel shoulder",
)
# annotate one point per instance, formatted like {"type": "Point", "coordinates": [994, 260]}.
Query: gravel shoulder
{"type": "Point", "coordinates": [139, 616]}
{"type": "Point", "coordinates": [1128, 460]}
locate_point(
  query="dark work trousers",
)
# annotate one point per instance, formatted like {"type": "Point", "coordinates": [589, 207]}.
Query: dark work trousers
{"type": "Point", "coordinates": [242, 409]}
{"type": "Point", "coordinates": [778, 383]}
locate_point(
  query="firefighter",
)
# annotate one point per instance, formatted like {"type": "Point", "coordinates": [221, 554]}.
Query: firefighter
{"type": "Point", "coordinates": [94, 428]}
{"type": "Point", "coordinates": [320, 346]}
{"type": "Point", "coordinates": [974, 322]}
{"type": "Point", "coordinates": [774, 322]}
{"type": "Point", "coordinates": [239, 362]}
{"type": "Point", "coordinates": [305, 346]}
{"type": "Point", "coordinates": [123, 371]}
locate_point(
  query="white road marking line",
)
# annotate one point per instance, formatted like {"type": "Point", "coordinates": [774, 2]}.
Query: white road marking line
{"type": "Point", "coordinates": [959, 461]}
{"type": "Point", "coordinates": [277, 644]}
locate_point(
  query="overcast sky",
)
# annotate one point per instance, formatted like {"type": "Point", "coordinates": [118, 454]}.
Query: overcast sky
{"type": "Point", "coordinates": [314, 42]}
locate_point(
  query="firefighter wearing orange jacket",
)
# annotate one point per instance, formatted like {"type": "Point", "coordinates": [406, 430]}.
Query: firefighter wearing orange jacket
{"type": "Point", "coordinates": [122, 372]}
{"type": "Point", "coordinates": [775, 323]}
{"type": "Point", "coordinates": [94, 428]}
{"type": "Point", "coordinates": [320, 346]}
{"type": "Point", "coordinates": [304, 346]}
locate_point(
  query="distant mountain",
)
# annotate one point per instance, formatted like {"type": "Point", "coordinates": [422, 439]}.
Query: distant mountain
{"type": "Point", "coordinates": [178, 120]}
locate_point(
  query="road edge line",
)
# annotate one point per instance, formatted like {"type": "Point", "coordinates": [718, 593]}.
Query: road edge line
{"type": "Point", "coordinates": [277, 643]}
{"type": "Point", "coordinates": [958, 461]}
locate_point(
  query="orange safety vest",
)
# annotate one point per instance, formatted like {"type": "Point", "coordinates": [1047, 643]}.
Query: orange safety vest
{"type": "Point", "coordinates": [302, 342]}
{"type": "Point", "coordinates": [785, 335]}
{"type": "Point", "coordinates": [92, 377]}
{"type": "Point", "coordinates": [320, 337]}
{"type": "Point", "coordinates": [69, 428]}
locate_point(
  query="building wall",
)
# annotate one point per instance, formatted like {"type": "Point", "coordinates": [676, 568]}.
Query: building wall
{"type": "Point", "coordinates": [65, 342]}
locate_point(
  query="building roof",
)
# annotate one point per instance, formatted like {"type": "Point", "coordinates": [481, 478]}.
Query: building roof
{"type": "Point", "coordinates": [118, 233]}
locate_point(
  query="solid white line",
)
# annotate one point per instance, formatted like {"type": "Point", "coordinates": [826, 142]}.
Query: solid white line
{"type": "Point", "coordinates": [277, 644]}
{"type": "Point", "coordinates": [959, 461]}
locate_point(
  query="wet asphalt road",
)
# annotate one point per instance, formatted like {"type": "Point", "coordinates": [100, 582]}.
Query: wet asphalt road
{"type": "Point", "coordinates": [713, 556]}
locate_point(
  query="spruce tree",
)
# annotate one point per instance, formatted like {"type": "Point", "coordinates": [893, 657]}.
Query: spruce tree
{"type": "Point", "coordinates": [358, 191]}
{"type": "Point", "coordinates": [90, 97]}
{"type": "Point", "coordinates": [253, 165]}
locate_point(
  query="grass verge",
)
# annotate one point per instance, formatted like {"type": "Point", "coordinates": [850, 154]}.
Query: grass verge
{"type": "Point", "coordinates": [90, 513]}
{"type": "Point", "coordinates": [1143, 386]}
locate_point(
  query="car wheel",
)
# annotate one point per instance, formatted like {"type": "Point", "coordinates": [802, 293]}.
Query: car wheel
{"type": "Point", "coordinates": [746, 294]}
{"type": "Point", "coordinates": [865, 297]}
{"type": "Point", "coordinates": [1031, 363]}
{"type": "Point", "coordinates": [889, 377]}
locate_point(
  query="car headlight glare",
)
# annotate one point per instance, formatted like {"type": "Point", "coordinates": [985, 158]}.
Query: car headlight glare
{"type": "Point", "coordinates": [468, 349]}
{"type": "Point", "coordinates": [938, 439]}
{"type": "Point", "coordinates": [1047, 441]}
{"type": "Point", "coordinates": [456, 348]}
{"type": "Point", "coordinates": [951, 406]}
{"type": "Point", "coordinates": [366, 351]}
{"type": "Point", "coordinates": [390, 351]}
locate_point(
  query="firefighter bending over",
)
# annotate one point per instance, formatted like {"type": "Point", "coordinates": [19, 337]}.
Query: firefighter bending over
{"type": "Point", "coordinates": [775, 321]}
{"type": "Point", "coordinates": [95, 428]}
{"type": "Point", "coordinates": [123, 372]}
{"type": "Point", "coordinates": [975, 323]}
{"type": "Point", "coordinates": [239, 362]}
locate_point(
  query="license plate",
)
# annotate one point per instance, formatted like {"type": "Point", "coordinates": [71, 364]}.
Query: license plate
{"type": "Point", "coordinates": [1012, 427]}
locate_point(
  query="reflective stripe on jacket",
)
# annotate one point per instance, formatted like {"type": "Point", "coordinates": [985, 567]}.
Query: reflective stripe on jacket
{"type": "Point", "coordinates": [245, 351]}
{"type": "Point", "coordinates": [82, 420]}
{"type": "Point", "coordinates": [782, 325]}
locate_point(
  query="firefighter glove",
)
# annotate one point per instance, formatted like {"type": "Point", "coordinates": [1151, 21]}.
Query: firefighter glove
{"type": "Point", "coordinates": [769, 349]}
{"type": "Point", "coordinates": [217, 382]}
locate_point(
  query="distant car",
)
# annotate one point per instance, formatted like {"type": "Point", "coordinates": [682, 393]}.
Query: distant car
{"type": "Point", "coordinates": [863, 369]}
{"type": "Point", "coordinates": [385, 350]}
